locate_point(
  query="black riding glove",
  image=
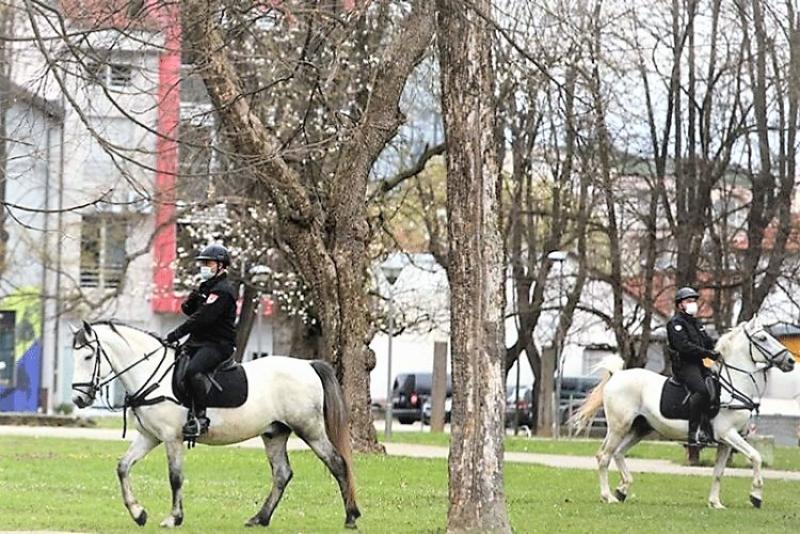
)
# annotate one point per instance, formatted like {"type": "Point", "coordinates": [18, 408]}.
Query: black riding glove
{"type": "Point", "coordinates": [172, 337]}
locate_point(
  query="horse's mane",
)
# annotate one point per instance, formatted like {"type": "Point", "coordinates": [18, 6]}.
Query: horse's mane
{"type": "Point", "coordinates": [724, 342]}
{"type": "Point", "coordinates": [113, 324]}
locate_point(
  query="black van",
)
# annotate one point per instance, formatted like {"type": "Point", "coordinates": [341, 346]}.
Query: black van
{"type": "Point", "coordinates": [409, 393]}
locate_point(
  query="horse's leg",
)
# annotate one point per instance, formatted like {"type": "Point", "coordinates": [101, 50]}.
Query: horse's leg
{"type": "Point", "coordinates": [723, 453]}
{"type": "Point", "coordinates": [143, 444]}
{"type": "Point", "coordinates": [326, 452]}
{"type": "Point", "coordinates": [626, 478]}
{"type": "Point", "coordinates": [610, 444]}
{"type": "Point", "coordinates": [175, 461]}
{"type": "Point", "coordinates": [275, 439]}
{"type": "Point", "coordinates": [735, 440]}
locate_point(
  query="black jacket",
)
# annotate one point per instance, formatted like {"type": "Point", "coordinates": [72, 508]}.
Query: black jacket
{"type": "Point", "coordinates": [688, 337]}
{"type": "Point", "coordinates": [212, 314]}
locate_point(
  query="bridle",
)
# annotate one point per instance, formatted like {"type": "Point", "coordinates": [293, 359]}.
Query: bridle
{"type": "Point", "coordinates": [135, 400]}
{"type": "Point", "coordinates": [726, 380]}
{"type": "Point", "coordinates": [96, 382]}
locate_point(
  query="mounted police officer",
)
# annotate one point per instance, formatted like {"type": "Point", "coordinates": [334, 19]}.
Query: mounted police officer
{"type": "Point", "coordinates": [211, 328]}
{"type": "Point", "coordinates": [690, 344]}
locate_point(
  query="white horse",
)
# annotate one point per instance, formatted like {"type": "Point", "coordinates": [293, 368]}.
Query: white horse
{"type": "Point", "coordinates": [285, 395]}
{"type": "Point", "coordinates": [631, 401]}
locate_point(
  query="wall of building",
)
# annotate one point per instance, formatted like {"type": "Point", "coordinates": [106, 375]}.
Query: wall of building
{"type": "Point", "coordinates": [31, 169]}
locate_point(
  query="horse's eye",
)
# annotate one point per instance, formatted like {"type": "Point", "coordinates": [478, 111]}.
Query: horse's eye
{"type": "Point", "coordinates": [87, 358]}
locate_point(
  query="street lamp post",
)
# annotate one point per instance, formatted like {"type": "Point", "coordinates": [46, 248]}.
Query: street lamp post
{"type": "Point", "coordinates": [559, 256]}
{"type": "Point", "coordinates": [391, 271]}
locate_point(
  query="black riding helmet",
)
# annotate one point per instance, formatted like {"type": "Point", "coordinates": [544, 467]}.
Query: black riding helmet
{"type": "Point", "coordinates": [215, 253]}
{"type": "Point", "coordinates": [686, 293]}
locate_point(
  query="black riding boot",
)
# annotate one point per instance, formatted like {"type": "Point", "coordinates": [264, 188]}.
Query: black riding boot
{"type": "Point", "coordinates": [697, 430]}
{"type": "Point", "coordinates": [697, 433]}
{"type": "Point", "coordinates": [705, 426]}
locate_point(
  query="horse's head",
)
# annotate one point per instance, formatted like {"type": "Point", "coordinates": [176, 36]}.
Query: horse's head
{"type": "Point", "coordinates": [751, 342]}
{"type": "Point", "coordinates": [89, 365]}
{"type": "Point", "coordinates": [105, 351]}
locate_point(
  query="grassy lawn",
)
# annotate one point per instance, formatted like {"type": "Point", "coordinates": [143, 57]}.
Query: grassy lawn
{"type": "Point", "coordinates": [787, 458]}
{"type": "Point", "coordinates": [71, 485]}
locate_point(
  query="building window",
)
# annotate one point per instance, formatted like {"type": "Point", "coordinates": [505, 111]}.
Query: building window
{"type": "Point", "coordinates": [115, 75]}
{"type": "Point", "coordinates": [119, 75]}
{"type": "Point", "coordinates": [7, 361]}
{"type": "Point", "coordinates": [103, 257]}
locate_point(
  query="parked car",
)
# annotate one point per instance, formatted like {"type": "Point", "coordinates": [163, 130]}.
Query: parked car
{"type": "Point", "coordinates": [427, 408]}
{"type": "Point", "coordinates": [526, 405]}
{"type": "Point", "coordinates": [409, 393]}
{"type": "Point", "coordinates": [573, 391]}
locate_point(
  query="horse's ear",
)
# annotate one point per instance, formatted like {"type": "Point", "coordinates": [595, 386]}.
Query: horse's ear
{"type": "Point", "coordinates": [73, 329]}
{"type": "Point", "coordinates": [87, 328]}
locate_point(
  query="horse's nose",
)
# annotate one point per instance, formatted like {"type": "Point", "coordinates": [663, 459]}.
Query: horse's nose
{"type": "Point", "coordinates": [79, 401]}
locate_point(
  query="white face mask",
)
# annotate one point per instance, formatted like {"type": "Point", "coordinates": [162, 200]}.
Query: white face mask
{"type": "Point", "coordinates": [206, 273]}
{"type": "Point", "coordinates": [691, 308]}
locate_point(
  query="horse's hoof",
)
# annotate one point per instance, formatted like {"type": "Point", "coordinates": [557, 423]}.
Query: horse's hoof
{"type": "Point", "coordinates": [350, 525]}
{"type": "Point", "coordinates": [716, 505]}
{"type": "Point", "coordinates": [755, 501]}
{"type": "Point", "coordinates": [609, 499]}
{"type": "Point", "coordinates": [256, 521]}
{"type": "Point", "coordinates": [620, 496]}
{"type": "Point", "coordinates": [171, 521]}
{"type": "Point", "coordinates": [142, 519]}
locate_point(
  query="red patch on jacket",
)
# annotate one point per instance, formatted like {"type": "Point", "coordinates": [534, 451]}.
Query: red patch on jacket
{"type": "Point", "coordinates": [212, 298]}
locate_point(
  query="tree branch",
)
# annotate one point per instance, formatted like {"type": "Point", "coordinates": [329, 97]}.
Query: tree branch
{"type": "Point", "coordinates": [390, 183]}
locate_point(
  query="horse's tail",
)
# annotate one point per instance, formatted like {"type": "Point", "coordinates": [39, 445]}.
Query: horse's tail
{"type": "Point", "coordinates": [337, 424]}
{"type": "Point", "coordinates": [594, 400]}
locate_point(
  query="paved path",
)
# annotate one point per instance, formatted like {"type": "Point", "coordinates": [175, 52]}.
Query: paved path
{"type": "Point", "coordinates": [637, 465]}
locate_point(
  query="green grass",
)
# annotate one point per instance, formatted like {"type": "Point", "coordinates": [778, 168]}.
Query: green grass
{"type": "Point", "coordinates": [786, 458]}
{"type": "Point", "coordinates": [71, 485]}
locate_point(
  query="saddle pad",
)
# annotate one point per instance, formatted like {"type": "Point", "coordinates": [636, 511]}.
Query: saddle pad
{"type": "Point", "coordinates": [674, 400]}
{"type": "Point", "coordinates": [230, 377]}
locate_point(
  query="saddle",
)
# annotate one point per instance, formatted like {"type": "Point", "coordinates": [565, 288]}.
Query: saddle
{"type": "Point", "coordinates": [226, 385]}
{"type": "Point", "coordinates": [675, 398]}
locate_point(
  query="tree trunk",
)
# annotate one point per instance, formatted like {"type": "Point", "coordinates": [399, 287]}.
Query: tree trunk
{"type": "Point", "coordinates": [247, 317]}
{"type": "Point", "coordinates": [7, 29]}
{"type": "Point", "coordinates": [475, 270]}
{"type": "Point", "coordinates": [604, 148]}
{"type": "Point", "coordinates": [545, 392]}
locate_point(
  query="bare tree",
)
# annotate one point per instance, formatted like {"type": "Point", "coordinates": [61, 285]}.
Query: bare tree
{"type": "Point", "coordinates": [325, 227]}
{"type": "Point", "coordinates": [774, 76]}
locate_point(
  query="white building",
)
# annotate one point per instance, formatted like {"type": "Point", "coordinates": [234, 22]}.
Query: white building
{"type": "Point", "coordinates": [95, 133]}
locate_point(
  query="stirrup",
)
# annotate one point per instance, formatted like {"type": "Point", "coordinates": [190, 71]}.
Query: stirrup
{"type": "Point", "coordinates": [700, 439]}
{"type": "Point", "coordinates": [192, 428]}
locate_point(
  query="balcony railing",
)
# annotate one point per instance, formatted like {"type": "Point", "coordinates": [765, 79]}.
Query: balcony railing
{"type": "Point", "coordinates": [105, 277]}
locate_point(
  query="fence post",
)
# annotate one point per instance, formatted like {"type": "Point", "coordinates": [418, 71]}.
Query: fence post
{"type": "Point", "coordinates": [439, 386]}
